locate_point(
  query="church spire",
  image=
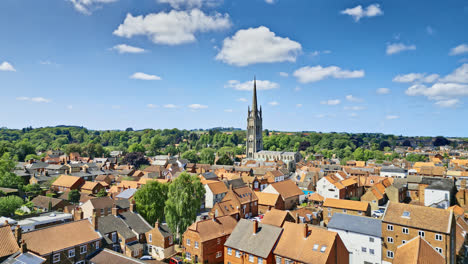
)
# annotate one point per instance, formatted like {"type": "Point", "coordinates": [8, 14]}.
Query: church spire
{"type": "Point", "coordinates": [254, 99]}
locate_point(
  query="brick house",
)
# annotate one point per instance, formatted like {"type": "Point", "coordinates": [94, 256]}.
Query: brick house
{"type": "Point", "coordinates": [238, 202]}
{"type": "Point", "coordinates": [331, 206]}
{"type": "Point", "coordinates": [417, 250]}
{"type": "Point", "coordinates": [67, 183]}
{"type": "Point", "coordinates": [91, 187]}
{"type": "Point", "coordinates": [288, 191]}
{"type": "Point", "coordinates": [160, 241]}
{"type": "Point", "coordinates": [268, 201]}
{"type": "Point", "coordinates": [204, 240]}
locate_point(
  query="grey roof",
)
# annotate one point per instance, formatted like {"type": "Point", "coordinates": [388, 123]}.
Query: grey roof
{"type": "Point", "coordinates": [210, 175]}
{"type": "Point", "coordinates": [260, 244]}
{"type": "Point", "coordinates": [122, 203]}
{"type": "Point", "coordinates": [110, 223]}
{"type": "Point", "coordinates": [164, 229]}
{"type": "Point", "coordinates": [446, 185]}
{"type": "Point", "coordinates": [393, 169]}
{"type": "Point", "coordinates": [24, 258]}
{"type": "Point", "coordinates": [135, 222]}
{"type": "Point", "coordinates": [135, 246]}
{"type": "Point", "coordinates": [236, 183]}
{"type": "Point", "coordinates": [126, 194]}
{"type": "Point", "coordinates": [110, 256]}
{"type": "Point", "coordinates": [357, 224]}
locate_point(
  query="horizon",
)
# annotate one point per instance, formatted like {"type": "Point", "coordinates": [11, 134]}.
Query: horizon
{"type": "Point", "coordinates": [396, 68]}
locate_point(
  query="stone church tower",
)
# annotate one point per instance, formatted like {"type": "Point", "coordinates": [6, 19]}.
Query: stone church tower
{"type": "Point", "coordinates": [254, 126]}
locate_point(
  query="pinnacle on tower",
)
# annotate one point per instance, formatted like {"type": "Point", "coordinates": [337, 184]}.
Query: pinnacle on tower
{"type": "Point", "coordinates": [254, 99]}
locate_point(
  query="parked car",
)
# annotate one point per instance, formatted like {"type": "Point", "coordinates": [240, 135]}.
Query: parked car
{"type": "Point", "coordinates": [176, 260]}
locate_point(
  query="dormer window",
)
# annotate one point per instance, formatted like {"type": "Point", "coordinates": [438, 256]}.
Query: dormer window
{"type": "Point", "coordinates": [406, 214]}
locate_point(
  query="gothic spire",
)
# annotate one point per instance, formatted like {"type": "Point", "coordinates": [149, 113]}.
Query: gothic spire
{"type": "Point", "coordinates": [254, 99]}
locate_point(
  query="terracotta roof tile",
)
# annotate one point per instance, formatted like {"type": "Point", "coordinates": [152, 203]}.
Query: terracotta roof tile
{"type": "Point", "coordinates": [275, 217]}
{"type": "Point", "coordinates": [214, 228]}
{"type": "Point", "coordinates": [218, 187]}
{"type": "Point", "coordinates": [287, 189]}
{"type": "Point", "coordinates": [417, 251]}
{"type": "Point", "coordinates": [346, 204]}
{"type": "Point", "coordinates": [66, 181]}
{"type": "Point", "coordinates": [8, 243]}
{"type": "Point", "coordinates": [269, 199]}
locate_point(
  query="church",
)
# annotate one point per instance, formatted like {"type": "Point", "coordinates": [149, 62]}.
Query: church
{"type": "Point", "coordinates": [254, 139]}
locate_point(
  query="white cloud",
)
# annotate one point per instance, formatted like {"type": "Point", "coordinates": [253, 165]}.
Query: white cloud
{"type": "Point", "coordinates": [6, 66]}
{"type": "Point", "coordinates": [395, 48]}
{"type": "Point", "coordinates": [416, 77]}
{"type": "Point", "coordinates": [242, 100]}
{"type": "Point", "coordinates": [438, 90]}
{"type": "Point", "coordinates": [383, 91]}
{"type": "Point", "coordinates": [313, 74]}
{"type": "Point", "coordinates": [88, 6]}
{"type": "Point", "coordinates": [124, 48]}
{"type": "Point", "coordinates": [173, 28]}
{"type": "Point", "coordinates": [458, 50]}
{"type": "Point", "coordinates": [34, 99]}
{"type": "Point", "coordinates": [353, 115]}
{"type": "Point", "coordinates": [151, 106]}
{"type": "Point", "coordinates": [391, 117]}
{"type": "Point", "coordinates": [270, 1]}
{"type": "Point", "coordinates": [197, 106]}
{"type": "Point", "coordinates": [298, 105]}
{"type": "Point", "coordinates": [354, 108]}
{"type": "Point", "coordinates": [331, 102]}
{"type": "Point", "coordinates": [170, 106]}
{"type": "Point", "coordinates": [448, 103]}
{"type": "Point", "coordinates": [177, 4]}
{"type": "Point", "coordinates": [430, 30]}
{"type": "Point", "coordinates": [352, 98]}
{"type": "Point", "coordinates": [228, 110]}
{"type": "Point", "coordinates": [358, 12]}
{"type": "Point", "coordinates": [460, 75]}
{"type": "Point", "coordinates": [248, 85]}
{"type": "Point", "coordinates": [257, 45]}
{"type": "Point", "coordinates": [69, 107]}
{"type": "Point", "coordinates": [325, 115]}
{"type": "Point", "coordinates": [274, 103]}
{"type": "Point", "coordinates": [145, 77]}
{"type": "Point", "coordinates": [284, 74]}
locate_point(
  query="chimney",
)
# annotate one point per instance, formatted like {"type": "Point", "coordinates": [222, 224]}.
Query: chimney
{"type": "Point", "coordinates": [132, 206]}
{"type": "Point", "coordinates": [306, 231]}
{"type": "Point", "coordinates": [24, 248]}
{"type": "Point", "coordinates": [156, 225]}
{"type": "Point", "coordinates": [463, 184]}
{"type": "Point", "coordinates": [255, 227]}
{"type": "Point", "coordinates": [94, 221]}
{"type": "Point", "coordinates": [77, 214]}
{"type": "Point", "coordinates": [297, 218]}
{"type": "Point", "coordinates": [18, 233]}
{"type": "Point", "coordinates": [115, 211]}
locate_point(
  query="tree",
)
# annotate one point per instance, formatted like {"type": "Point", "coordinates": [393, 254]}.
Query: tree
{"type": "Point", "coordinates": [406, 143]}
{"type": "Point", "coordinates": [32, 189]}
{"type": "Point", "coordinates": [207, 156]}
{"type": "Point", "coordinates": [440, 141]}
{"type": "Point", "coordinates": [136, 148]}
{"type": "Point", "coordinates": [74, 196]}
{"type": "Point", "coordinates": [102, 193]}
{"type": "Point", "coordinates": [70, 148]}
{"type": "Point", "coordinates": [136, 159]}
{"type": "Point", "coordinates": [7, 177]}
{"type": "Point", "coordinates": [150, 201]}
{"type": "Point", "coordinates": [9, 204]}
{"type": "Point", "coordinates": [224, 160]}
{"type": "Point", "coordinates": [191, 156]}
{"type": "Point", "coordinates": [183, 202]}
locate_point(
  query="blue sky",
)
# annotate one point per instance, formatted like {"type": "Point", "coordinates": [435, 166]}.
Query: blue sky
{"type": "Point", "coordinates": [397, 67]}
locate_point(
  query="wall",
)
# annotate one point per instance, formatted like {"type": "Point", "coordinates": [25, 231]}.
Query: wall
{"type": "Point", "coordinates": [432, 197]}
{"type": "Point", "coordinates": [354, 243]}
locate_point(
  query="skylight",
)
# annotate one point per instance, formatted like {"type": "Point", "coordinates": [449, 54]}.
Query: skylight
{"type": "Point", "coordinates": [315, 247]}
{"type": "Point", "coordinates": [406, 214]}
{"type": "Point", "coordinates": [323, 249]}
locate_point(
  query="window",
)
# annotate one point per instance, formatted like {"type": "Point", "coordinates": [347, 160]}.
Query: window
{"type": "Point", "coordinates": [83, 249]}
{"type": "Point", "coordinates": [238, 254]}
{"type": "Point", "coordinates": [421, 233]}
{"type": "Point", "coordinates": [188, 242]}
{"type": "Point", "coordinates": [371, 251]}
{"type": "Point", "coordinates": [406, 214]}
{"type": "Point", "coordinates": [329, 214]}
{"type": "Point", "coordinates": [323, 249]}
{"type": "Point", "coordinates": [390, 240]}
{"type": "Point", "coordinates": [439, 250]}
{"type": "Point", "coordinates": [390, 227]}
{"type": "Point", "coordinates": [71, 253]}
{"type": "Point", "coordinates": [229, 251]}
{"type": "Point", "coordinates": [287, 261]}
{"type": "Point", "coordinates": [251, 258]}
{"type": "Point", "coordinates": [315, 248]}
{"type": "Point", "coordinates": [219, 254]}
{"type": "Point", "coordinates": [109, 210]}
{"type": "Point", "coordinates": [56, 258]}
{"type": "Point", "coordinates": [150, 238]}
{"type": "Point", "coordinates": [438, 237]}
{"type": "Point", "coordinates": [219, 241]}
{"type": "Point", "coordinates": [278, 260]}
{"type": "Point", "coordinates": [188, 255]}
{"type": "Point", "coordinates": [371, 239]}
{"type": "Point", "coordinates": [114, 237]}
{"type": "Point", "coordinates": [170, 240]}
{"type": "Point", "coordinates": [363, 249]}
{"type": "Point", "coordinates": [259, 261]}
{"type": "Point", "coordinates": [102, 211]}
{"type": "Point", "coordinates": [196, 244]}
{"type": "Point", "coordinates": [389, 254]}
{"type": "Point", "coordinates": [403, 242]}
{"type": "Point", "coordinates": [344, 211]}
{"type": "Point", "coordinates": [97, 244]}
{"type": "Point", "coordinates": [405, 230]}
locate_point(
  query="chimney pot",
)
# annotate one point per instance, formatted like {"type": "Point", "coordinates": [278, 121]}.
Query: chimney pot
{"type": "Point", "coordinates": [255, 226]}
{"type": "Point", "coordinates": [306, 230]}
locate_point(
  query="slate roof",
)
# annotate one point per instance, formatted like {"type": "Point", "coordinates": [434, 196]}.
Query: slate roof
{"type": "Point", "coordinates": [445, 185]}
{"type": "Point", "coordinates": [392, 169]}
{"type": "Point", "coordinates": [111, 223]}
{"type": "Point", "coordinates": [135, 222]}
{"type": "Point", "coordinates": [126, 194]}
{"type": "Point", "coordinates": [356, 224]}
{"type": "Point", "coordinates": [24, 258]}
{"type": "Point", "coordinates": [260, 244]}
{"type": "Point", "coordinates": [122, 203]}
{"type": "Point", "coordinates": [107, 256]}
{"type": "Point", "coordinates": [43, 201]}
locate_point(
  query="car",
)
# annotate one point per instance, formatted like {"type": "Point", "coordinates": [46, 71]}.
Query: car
{"type": "Point", "coordinates": [176, 260]}
{"type": "Point", "coordinates": [146, 258]}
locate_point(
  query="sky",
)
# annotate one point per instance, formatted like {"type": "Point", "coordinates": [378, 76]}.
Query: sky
{"type": "Point", "coordinates": [395, 67]}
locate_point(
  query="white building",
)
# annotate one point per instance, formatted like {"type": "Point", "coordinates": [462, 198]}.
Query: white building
{"type": "Point", "coordinates": [329, 187]}
{"type": "Point", "coordinates": [361, 235]}
{"type": "Point", "coordinates": [214, 193]}
{"type": "Point", "coordinates": [55, 218]}
{"type": "Point", "coordinates": [393, 172]}
{"type": "Point", "coordinates": [439, 194]}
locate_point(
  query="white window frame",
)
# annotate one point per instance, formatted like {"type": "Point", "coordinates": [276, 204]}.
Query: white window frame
{"type": "Point", "coordinates": [405, 229]}
{"type": "Point", "coordinates": [251, 258]}
{"type": "Point", "coordinates": [229, 251]}
{"type": "Point", "coordinates": [85, 249]}
{"type": "Point", "coordinates": [371, 239]}
{"type": "Point", "coordinates": [390, 240]}
{"type": "Point", "coordinates": [441, 238]}
{"type": "Point", "coordinates": [188, 242]}
{"type": "Point", "coordinates": [196, 244]}
{"type": "Point", "coordinates": [56, 258]}
{"type": "Point", "coordinates": [170, 240]}
{"type": "Point", "coordinates": [390, 254]}
{"type": "Point", "coordinates": [71, 253]}
{"type": "Point", "coordinates": [97, 244]}
{"type": "Point", "coordinates": [188, 256]}
{"type": "Point", "coordinates": [259, 260]}
{"type": "Point", "coordinates": [150, 237]}
{"type": "Point", "coordinates": [219, 254]}
{"type": "Point", "coordinates": [371, 251]}
{"type": "Point", "coordinates": [238, 254]}
{"type": "Point", "coordinates": [114, 237]}
{"type": "Point", "coordinates": [440, 250]}
{"type": "Point", "coordinates": [421, 233]}
{"type": "Point", "coordinates": [389, 227]}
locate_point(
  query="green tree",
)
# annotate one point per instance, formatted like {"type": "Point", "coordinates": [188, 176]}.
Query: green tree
{"type": "Point", "coordinates": [150, 201]}
{"type": "Point", "coordinates": [102, 193]}
{"type": "Point", "coordinates": [224, 160]}
{"type": "Point", "coordinates": [7, 177]}
{"type": "Point", "coordinates": [32, 189]}
{"type": "Point", "coordinates": [207, 156]}
{"type": "Point", "coordinates": [70, 148]}
{"type": "Point", "coordinates": [9, 204]}
{"type": "Point", "coordinates": [183, 202]}
{"type": "Point", "coordinates": [74, 196]}
{"type": "Point", "coordinates": [191, 156]}
{"type": "Point", "coordinates": [136, 148]}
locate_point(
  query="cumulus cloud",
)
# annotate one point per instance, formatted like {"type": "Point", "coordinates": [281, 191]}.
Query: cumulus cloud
{"type": "Point", "coordinates": [383, 91]}
{"type": "Point", "coordinates": [448, 103]}
{"type": "Point", "coordinates": [242, 100]}
{"type": "Point", "coordinates": [145, 77]}
{"type": "Point", "coordinates": [274, 103]}
{"type": "Point", "coordinates": [248, 85]}
{"type": "Point", "coordinates": [416, 77]}
{"type": "Point", "coordinates": [460, 75]}
{"type": "Point", "coordinates": [354, 108]}
{"type": "Point", "coordinates": [124, 48]}
{"type": "Point", "coordinates": [313, 74]}
{"type": "Point", "coordinates": [257, 45]}
{"type": "Point", "coordinates": [284, 74]}
{"type": "Point", "coordinates": [88, 6]}
{"type": "Point", "coordinates": [298, 105]}
{"type": "Point", "coordinates": [6, 66]}
{"type": "Point", "coordinates": [458, 50]}
{"type": "Point", "coordinates": [170, 106]}
{"type": "Point", "coordinates": [177, 4]}
{"type": "Point", "coordinates": [394, 48]}
{"type": "Point", "coordinates": [390, 117]}
{"type": "Point", "coordinates": [173, 28]}
{"type": "Point", "coordinates": [151, 106]}
{"type": "Point", "coordinates": [197, 106]}
{"type": "Point", "coordinates": [34, 99]}
{"type": "Point", "coordinates": [331, 102]}
{"type": "Point", "coordinates": [352, 98]}
{"type": "Point", "coordinates": [358, 12]}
